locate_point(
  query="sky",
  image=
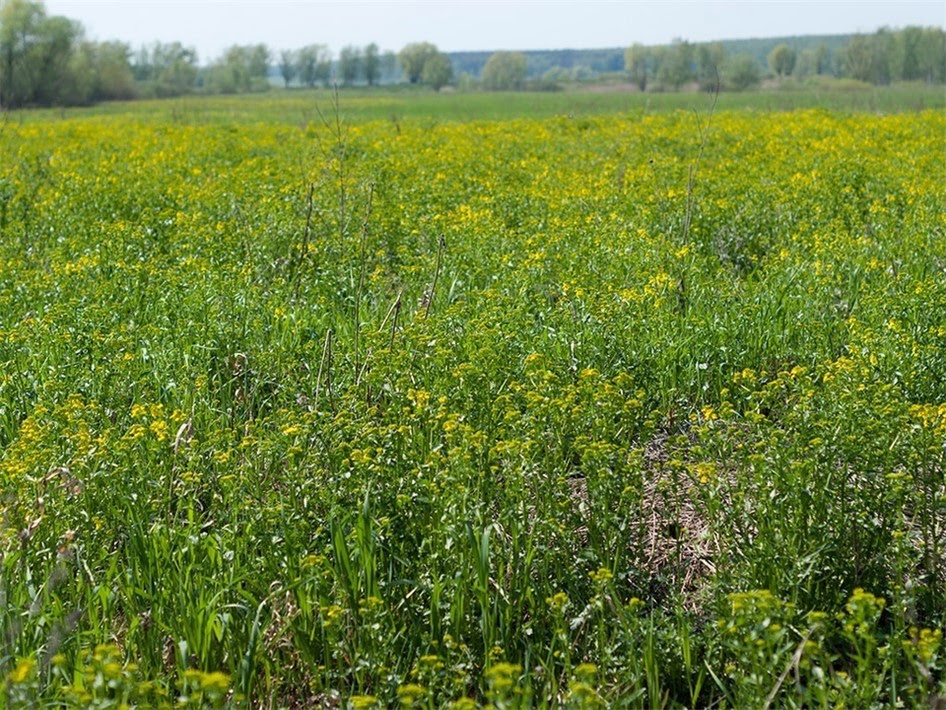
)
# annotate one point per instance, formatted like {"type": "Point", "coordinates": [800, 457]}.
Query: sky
{"type": "Point", "coordinates": [457, 25]}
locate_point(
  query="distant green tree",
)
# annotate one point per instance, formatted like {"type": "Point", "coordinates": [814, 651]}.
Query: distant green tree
{"type": "Point", "coordinates": [782, 60]}
{"type": "Point", "coordinates": [822, 62]}
{"type": "Point", "coordinates": [438, 71]}
{"type": "Point", "coordinates": [288, 66]}
{"type": "Point", "coordinates": [20, 21]}
{"type": "Point", "coordinates": [414, 57]}
{"type": "Point", "coordinates": [349, 65]}
{"type": "Point", "coordinates": [314, 65]}
{"type": "Point", "coordinates": [371, 64]}
{"type": "Point", "coordinates": [50, 57]}
{"type": "Point", "coordinates": [81, 76]}
{"type": "Point", "coordinates": [676, 66]}
{"type": "Point", "coordinates": [504, 71]}
{"type": "Point", "coordinates": [857, 58]}
{"type": "Point", "coordinates": [658, 56]}
{"type": "Point", "coordinates": [112, 67]}
{"type": "Point", "coordinates": [173, 68]}
{"type": "Point", "coordinates": [636, 60]}
{"type": "Point", "coordinates": [240, 69]}
{"type": "Point", "coordinates": [932, 55]}
{"type": "Point", "coordinates": [141, 67]}
{"type": "Point", "coordinates": [45, 60]}
{"type": "Point", "coordinates": [35, 54]}
{"type": "Point", "coordinates": [96, 72]}
{"type": "Point", "coordinates": [806, 64]}
{"type": "Point", "coordinates": [305, 65]}
{"type": "Point", "coordinates": [868, 57]}
{"type": "Point", "coordinates": [741, 72]}
{"type": "Point", "coordinates": [225, 76]}
{"type": "Point", "coordinates": [709, 63]}
{"type": "Point", "coordinates": [905, 63]}
{"type": "Point", "coordinates": [883, 41]}
{"type": "Point", "coordinates": [259, 58]}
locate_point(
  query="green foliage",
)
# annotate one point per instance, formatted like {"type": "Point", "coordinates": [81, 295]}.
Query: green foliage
{"type": "Point", "coordinates": [423, 63]}
{"type": "Point", "coordinates": [165, 70]}
{"type": "Point", "coordinates": [812, 62]}
{"type": "Point", "coordinates": [349, 65]}
{"type": "Point", "coordinates": [314, 65]}
{"type": "Point", "coordinates": [867, 58]}
{"type": "Point", "coordinates": [782, 60]}
{"type": "Point", "coordinates": [931, 55]}
{"type": "Point", "coordinates": [741, 72]}
{"type": "Point", "coordinates": [240, 69]}
{"type": "Point", "coordinates": [910, 54]}
{"type": "Point", "coordinates": [288, 66]}
{"type": "Point", "coordinates": [636, 61]}
{"type": "Point", "coordinates": [414, 57]}
{"type": "Point", "coordinates": [371, 64]}
{"type": "Point", "coordinates": [505, 71]}
{"type": "Point", "coordinates": [35, 52]}
{"type": "Point", "coordinates": [676, 64]}
{"type": "Point", "coordinates": [710, 59]}
{"type": "Point", "coordinates": [438, 71]}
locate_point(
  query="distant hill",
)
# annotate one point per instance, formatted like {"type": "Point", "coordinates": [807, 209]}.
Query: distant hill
{"type": "Point", "coordinates": [602, 61]}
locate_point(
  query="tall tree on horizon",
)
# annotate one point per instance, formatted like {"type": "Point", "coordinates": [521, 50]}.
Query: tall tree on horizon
{"type": "Point", "coordinates": [35, 51]}
{"type": "Point", "coordinates": [314, 64]}
{"type": "Point", "coordinates": [371, 64]}
{"type": "Point", "coordinates": [349, 64]}
{"type": "Point", "coordinates": [782, 60]}
{"type": "Point", "coordinates": [637, 57]}
{"type": "Point", "coordinates": [676, 69]}
{"type": "Point", "coordinates": [288, 65]}
{"type": "Point", "coordinates": [505, 71]}
{"type": "Point", "coordinates": [414, 56]}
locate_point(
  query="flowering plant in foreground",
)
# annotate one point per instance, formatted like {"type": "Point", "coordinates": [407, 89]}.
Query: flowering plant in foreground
{"type": "Point", "coordinates": [507, 412]}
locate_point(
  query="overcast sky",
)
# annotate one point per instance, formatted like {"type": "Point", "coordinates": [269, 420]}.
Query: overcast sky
{"type": "Point", "coordinates": [454, 25]}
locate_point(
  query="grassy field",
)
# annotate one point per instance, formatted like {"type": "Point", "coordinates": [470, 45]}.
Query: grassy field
{"type": "Point", "coordinates": [567, 400]}
{"type": "Point", "coordinates": [297, 107]}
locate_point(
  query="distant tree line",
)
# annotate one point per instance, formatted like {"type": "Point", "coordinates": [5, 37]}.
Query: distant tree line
{"type": "Point", "coordinates": [910, 54]}
{"type": "Point", "coordinates": [47, 61]}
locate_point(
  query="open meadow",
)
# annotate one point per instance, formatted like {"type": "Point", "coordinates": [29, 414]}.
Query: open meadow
{"type": "Point", "coordinates": [390, 399]}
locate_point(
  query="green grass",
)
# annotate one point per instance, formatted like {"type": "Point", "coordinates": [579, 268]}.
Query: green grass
{"type": "Point", "coordinates": [409, 103]}
{"type": "Point", "coordinates": [566, 400]}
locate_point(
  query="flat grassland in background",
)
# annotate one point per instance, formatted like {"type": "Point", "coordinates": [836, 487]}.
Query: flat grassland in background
{"type": "Point", "coordinates": [298, 105]}
{"type": "Point", "coordinates": [570, 400]}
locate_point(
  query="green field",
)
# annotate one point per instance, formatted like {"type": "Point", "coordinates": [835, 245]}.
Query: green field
{"type": "Point", "coordinates": [403, 399]}
{"type": "Point", "coordinates": [418, 103]}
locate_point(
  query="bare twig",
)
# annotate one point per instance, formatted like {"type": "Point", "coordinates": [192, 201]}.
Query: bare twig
{"type": "Point", "coordinates": [394, 310]}
{"type": "Point", "coordinates": [793, 663]}
{"type": "Point", "coordinates": [325, 365]}
{"type": "Point", "coordinates": [397, 312]}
